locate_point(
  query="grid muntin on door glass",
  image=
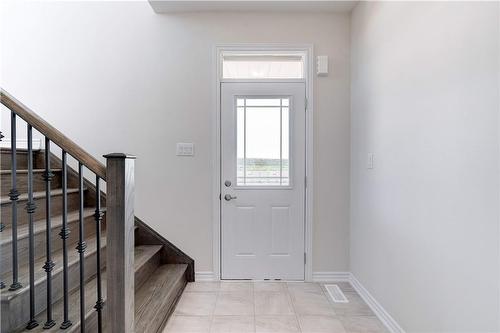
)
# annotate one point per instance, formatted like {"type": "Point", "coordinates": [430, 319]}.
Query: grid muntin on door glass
{"type": "Point", "coordinates": [263, 142]}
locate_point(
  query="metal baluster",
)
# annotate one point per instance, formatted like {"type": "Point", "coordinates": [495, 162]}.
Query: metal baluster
{"type": "Point", "coordinates": [30, 208]}
{"type": "Point", "coordinates": [49, 264]}
{"type": "Point", "coordinates": [2, 226]}
{"type": "Point", "coordinates": [2, 284]}
{"type": "Point", "coordinates": [64, 236]}
{"type": "Point", "coordinates": [81, 249]}
{"type": "Point", "coordinates": [14, 196]}
{"type": "Point", "coordinates": [98, 219]}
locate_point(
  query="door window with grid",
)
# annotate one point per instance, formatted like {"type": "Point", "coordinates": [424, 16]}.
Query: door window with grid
{"type": "Point", "coordinates": [263, 141]}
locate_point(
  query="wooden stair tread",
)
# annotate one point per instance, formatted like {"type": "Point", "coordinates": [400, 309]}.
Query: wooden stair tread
{"type": "Point", "coordinates": [23, 171]}
{"type": "Point", "coordinates": [39, 225]}
{"type": "Point", "coordinates": [57, 258]}
{"type": "Point", "coordinates": [38, 195]}
{"type": "Point", "coordinates": [142, 254]}
{"type": "Point", "coordinates": [19, 150]}
{"type": "Point", "coordinates": [155, 295]}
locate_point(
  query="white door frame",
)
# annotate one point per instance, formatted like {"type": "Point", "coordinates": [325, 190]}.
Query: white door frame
{"type": "Point", "coordinates": [307, 51]}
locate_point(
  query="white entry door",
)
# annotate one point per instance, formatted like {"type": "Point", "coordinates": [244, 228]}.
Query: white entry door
{"type": "Point", "coordinates": [263, 180]}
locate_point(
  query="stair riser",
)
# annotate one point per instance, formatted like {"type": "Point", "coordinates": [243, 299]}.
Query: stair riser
{"type": "Point", "coordinates": [22, 215]}
{"type": "Point", "coordinates": [22, 160]}
{"type": "Point", "coordinates": [22, 244]}
{"type": "Point", "coordinates": [15, 314]}
{"type": "Point", "coordinates": [140, 276]}
{"type": "Point", "coordinates": [146, 270]}
{"type": "Point", "coordinates": [165, 307]}
{"type": "Point", "coordinates": [22, 182]}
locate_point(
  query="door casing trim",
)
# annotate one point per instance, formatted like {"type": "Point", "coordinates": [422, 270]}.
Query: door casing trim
{"type": "Point", "coordinates": [307, 50]}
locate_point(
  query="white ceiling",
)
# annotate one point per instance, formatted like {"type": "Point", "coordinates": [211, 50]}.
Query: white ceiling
{"type": "Point", "coordinates": [173, 6]}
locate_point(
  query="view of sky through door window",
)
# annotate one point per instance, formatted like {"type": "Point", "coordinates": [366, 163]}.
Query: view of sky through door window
{"type": "Point", "coordinates": [263, 141]}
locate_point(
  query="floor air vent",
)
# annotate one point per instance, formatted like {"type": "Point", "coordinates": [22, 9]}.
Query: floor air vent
{"type": "Point", "coordinates": [336, 294]}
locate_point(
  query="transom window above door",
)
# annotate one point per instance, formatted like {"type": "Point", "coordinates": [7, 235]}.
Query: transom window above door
{"type": "Point", "coordinates": [262, 66]}
{"type": "Point", "coordinates": [263, 141]}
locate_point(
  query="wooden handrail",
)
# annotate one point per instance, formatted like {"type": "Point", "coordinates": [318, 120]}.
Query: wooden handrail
{"type": "Point", "coordinates": [53, 134]}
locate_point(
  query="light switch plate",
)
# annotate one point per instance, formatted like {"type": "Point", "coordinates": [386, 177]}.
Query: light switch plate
{"type": "Point", "coordinates": [185, 149]}
{"type": "Point", "coordinates": [322, 65]}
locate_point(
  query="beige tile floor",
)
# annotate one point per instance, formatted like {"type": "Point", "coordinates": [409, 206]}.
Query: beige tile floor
{"type": "Point", "coordinates": [270, 307]}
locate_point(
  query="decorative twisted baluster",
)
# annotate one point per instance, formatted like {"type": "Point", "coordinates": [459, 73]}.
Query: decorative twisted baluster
{"type": "Point", "coordinates": [2, 226]}
{"type": "Point", "coordinates": [14, 196]}
{"type": "Point", "coordinates": [64, 236]}
{"type": "Point", "coordinates": [81, 249]}
{"type": "Point", "coordinates": [119, 175]}
{"type": "Point", "coordinates": [98, 215]}
{"type": "Point", "coordinates": [30, 208]}
{"type": "Point", "coordinates": [2, 284]}
{"type": "Point", "coordinates": [49, 264]}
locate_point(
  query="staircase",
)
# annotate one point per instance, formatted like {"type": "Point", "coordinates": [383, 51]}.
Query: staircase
{"type": "Point", "coordinates": [78, 259]}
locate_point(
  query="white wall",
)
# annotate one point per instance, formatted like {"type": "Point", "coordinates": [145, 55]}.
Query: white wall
{"type": "Point", "coordinates": [424, 221]}
{"type": "Point", "coordinates": [118, 77]}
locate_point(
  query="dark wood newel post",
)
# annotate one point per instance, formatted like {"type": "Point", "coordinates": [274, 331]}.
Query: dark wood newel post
{"type": "Point", "coordinates": [120, 242]}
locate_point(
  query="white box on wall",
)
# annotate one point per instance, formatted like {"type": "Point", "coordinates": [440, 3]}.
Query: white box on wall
{"type": "Point", "coordinates": [322, 65]}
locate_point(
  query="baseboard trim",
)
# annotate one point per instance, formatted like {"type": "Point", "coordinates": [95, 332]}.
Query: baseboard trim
{"type": "Point", "coordinates": [389, 322]}
{"type": "Point", "coordinates": [331, 277]}
{"type": "Point", "coordinates": [205, 276]}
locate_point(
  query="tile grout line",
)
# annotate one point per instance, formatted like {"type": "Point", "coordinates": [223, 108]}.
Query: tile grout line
{"type": "Point", "coordinates": [294, 309]}
{"type": "Point", "coordinates": [254, 311]}
{"type": "Point", "coordinates": [286, 289]}
{"type": "Point", "coordinates": [212, 317]}
{"type": "Point", "coordinates": [330, 302]}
